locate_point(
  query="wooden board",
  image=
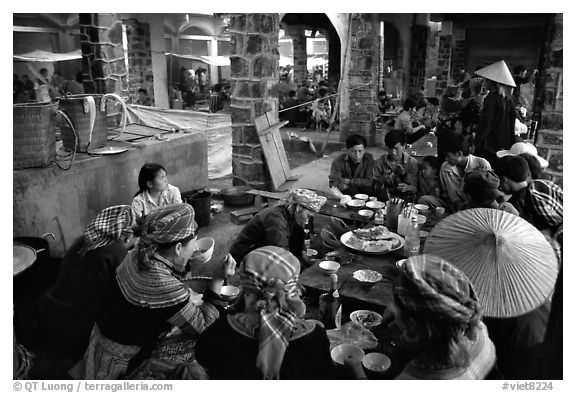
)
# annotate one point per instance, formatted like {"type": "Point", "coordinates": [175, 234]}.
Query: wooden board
{"type": "Point", "coordinates": [273, 148]}
{"type": "Point", "coordinates": [269, 195]}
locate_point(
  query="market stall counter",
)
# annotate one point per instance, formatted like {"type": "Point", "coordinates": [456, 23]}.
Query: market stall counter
{"type": "Point", "coordinates": [63, 202]}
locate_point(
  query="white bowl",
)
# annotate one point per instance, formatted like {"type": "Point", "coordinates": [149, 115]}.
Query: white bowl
{"type": "Point", "coordinates": [311, 252]}
{"type": "Point", "coordinates": [355, 204]}
{"type": "Point", "coordinates": [422, 208]}
{"type": "Point", "coordinates": [329, 267]}
{"type": "Point", "coordinates": [375, 205]}
{"type": "Point", "coordinates": [368, 319]}
{"type": "Point", "coordinates": [440, 210]}
{"type": "Point", "coordinates": [205, 250]}
{"type": "Point", "coordinates": [421, 219]}
{"type": "Point", "coordinates": [339, 352]}
{"type": "Point", "coordinates": [229, 292]}
{"type": "Point", "coordinates": [365, 213]}
{"type": "Point", "coordinates": [400, 263]}
{"type": "Point", "coordinates": [376, 362]}
{"type": "Point", "coordinates": [367, 277]}
{"type": "Point", "coordinates": [362, 197]}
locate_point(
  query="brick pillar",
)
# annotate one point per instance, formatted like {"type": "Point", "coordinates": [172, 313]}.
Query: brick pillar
{"type": "Point", "coordinates": [360, 109]}
{"type": "Point", "coordinates": [459, 55]}
{"type": "Point", "coordinates": [444, 63]}
{"type": "Point", "coordinates": [300, 56]}
{"type": "Point", "coordinates": [418, 56]}
{"type": "Point", "coordinates": [380, 62]}
{"type": "Point", "coordinates": [102, 54]}
{"type": "Point", "coordinates": [334, 56]}
{"type": "Point", "coordinates": [254, 71]}
{"type": "Point", "coordinates": [548, 102]}
{"type": "Point", "coordinates": [140, 74]}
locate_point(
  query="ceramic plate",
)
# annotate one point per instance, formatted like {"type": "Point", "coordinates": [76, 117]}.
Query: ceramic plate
{"type": "Point", "coordinates": [108, 150]}
{"type": "Point", "coordinates": [370, 247]}
{"type": "Point", "coordinates": [24, 257]}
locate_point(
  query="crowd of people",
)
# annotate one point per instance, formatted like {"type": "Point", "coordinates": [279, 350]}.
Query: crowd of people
{"type": "Point", "coordinates": [122, 307]}
{"type": "Point", "coordinates": [45, 88]}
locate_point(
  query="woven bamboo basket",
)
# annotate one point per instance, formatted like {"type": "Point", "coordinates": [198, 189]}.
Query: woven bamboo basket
{"type": "Point", "coordinates": [34, 135]}
{"type": "Point", "coordinates": [88, 114]}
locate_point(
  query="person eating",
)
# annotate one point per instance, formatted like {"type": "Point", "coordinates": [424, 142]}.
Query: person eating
{"type": "Point", "coordinates": [396, 171]}
{"type": "Point", "coordinates": [267, 338]}
{"type": "Point", "coordinates": [281, 225]}
{"type": "Point", "coordinates": [151, 313]}
{"type": "Point", "coordinates": [436, 305]}
{"type": "Point", "coordinates": [351, 172]}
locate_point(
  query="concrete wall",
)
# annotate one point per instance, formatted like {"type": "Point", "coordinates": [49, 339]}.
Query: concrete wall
{"type": "Point", "coordinates": [64, 202]}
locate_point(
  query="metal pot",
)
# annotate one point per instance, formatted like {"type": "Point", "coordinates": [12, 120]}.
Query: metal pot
{"type": "Point", "coordinates": [237, 196]}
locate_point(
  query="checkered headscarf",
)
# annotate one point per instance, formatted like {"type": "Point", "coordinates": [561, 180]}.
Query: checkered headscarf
{"type": "Point", "coordinates": [108, 225]}
{"type": "Point", "coordinates": [272, 273]}
{"type": "Point", "coordinates": [166, 224]}
{"type": "Point", "coordinates": [430, 286]}
{"type": "Point", "coordinates": [547, 199]}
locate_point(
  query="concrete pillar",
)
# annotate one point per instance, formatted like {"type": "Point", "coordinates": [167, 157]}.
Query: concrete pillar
{"type": "Point", "coordinates": [360, 110]}
{"type": "Point", "coordinates": [298, 35]}
{"type": "Point", "coordinates": [213, 51]}
{"type": "Point", "coordinates": [254, 72]}
{"type": "Point", "coordinates": [159, 67]}
{"type": "Point", "coordinates": [102, 54]}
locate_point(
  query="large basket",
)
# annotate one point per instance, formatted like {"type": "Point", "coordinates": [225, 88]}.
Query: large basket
{"type": "Point", "coordinates": [88, 114]}
{"type": "Point", "coordinates": [34, 135]}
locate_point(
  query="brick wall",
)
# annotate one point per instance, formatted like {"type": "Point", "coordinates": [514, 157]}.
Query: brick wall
{"type": "Point", "coordinates": [140, 73]}
{"type": "Point", "coordinates": [418, 56]}
{"type": "Point", "coordinates": [254, 71]}
{"type": "Point", "coordinates": [300, 57]}
{"type": "Point", "coordinates": [444, 63]}
{"type": "Point", "coordinates": [362, 73]}
{"type": "Point", "coordinates": [102, 54]}
{"type": "Point", "coordinates": [459, 53]}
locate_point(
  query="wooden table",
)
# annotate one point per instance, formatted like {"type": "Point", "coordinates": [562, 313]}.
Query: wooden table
{"type": "Point", "coordinates": [380, 294]}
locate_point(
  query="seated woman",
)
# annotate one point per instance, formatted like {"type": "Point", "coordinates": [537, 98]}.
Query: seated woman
{"type": "Point", "coordinates": [68, 310]}
{"type": "Point", "coordinates": [351, 172]}
{"type": "Point", "coordinates": [281, 225]}
{"type": "Point", "coordinates": [154, 190]}
{"type": "Point", "coordinates": [436, 305]}
{"type": "Point", "coordinates": [151, 313]}
{"type": "Point", "coordinates": [267, 338]}
{"type": "Point", "coordinates": [429, 183]}
{"type": "Point", "coordinates": [481, 189]}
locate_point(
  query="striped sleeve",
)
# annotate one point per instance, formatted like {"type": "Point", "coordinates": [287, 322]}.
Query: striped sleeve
{"type": "Point", "coordinates": [194, 319]}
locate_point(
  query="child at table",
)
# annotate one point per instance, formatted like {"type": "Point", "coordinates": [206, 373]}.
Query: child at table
{"type": "Point", "coordinates": [428, 191]}
{"type": "Point", "coordinates": [154, 190]}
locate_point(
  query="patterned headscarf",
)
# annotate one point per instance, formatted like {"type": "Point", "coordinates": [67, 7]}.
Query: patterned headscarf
{"type": "Point", "coordinates": [272, 273]}
{"type": "Point", "coordinates": [155, 285]}
{"type": "Point", "coordinates": [432, 287]}
{"type": "Point", "coordinates": [306, 198]}
{"type": "Point", "coordinates": [547, 199]}
{"type": "Point", "coordinates": [108, 225]}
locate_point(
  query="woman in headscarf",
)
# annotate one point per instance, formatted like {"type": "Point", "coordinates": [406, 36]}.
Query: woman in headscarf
{"type": "Point", "coordinates": [152, 317]}
{"type": "Point", "coordinates": [68, 310]}
{"type": "Point", "coordinates": [281, 225]}
{"type": "Point", "coordinates": [481, 190]}
{"type": "Point", "coordinates": [267, 338]}
{"type": "Point", "coordinates": [436, 306]}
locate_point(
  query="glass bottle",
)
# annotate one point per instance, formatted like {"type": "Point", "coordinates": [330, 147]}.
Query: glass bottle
{"type": "Point", "coordinates": [412, 244]}
{"type": "Point", "coordinates": [330, 305]}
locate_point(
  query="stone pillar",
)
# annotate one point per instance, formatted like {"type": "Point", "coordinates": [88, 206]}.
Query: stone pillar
{"type": "Point", "coordinates": [102, 54]}
{"type": "Point", "coordinates": [140, 73]}
{"type": "Point", "coordinates": [381, 64]}
{"type": "Point", "coordinates": [159, 66]}
{"type": "Point", "coordinates": [254, 72]}
{"type": "Point", "coordinates": [360, 110]}
{"type": "Point", "coordinates": [459, 55]}
{"type": "Point", "coordinates": [548, 105]}
{"type": "Point", "coordinates": [334, 56]}
{"type": "Point", "coordinates": [444, 63]}
{"type": "Point", "coordinates": [300, 55]}
{"type": "Point", "coordinates": [213, 51]}
{"type": "Point", "coordinates": [418, 56]}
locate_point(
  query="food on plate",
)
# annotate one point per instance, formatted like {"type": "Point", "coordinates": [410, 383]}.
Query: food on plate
{"type": "Point", "coordinates": [367, 275]}
{"type": "Point", "coordinates": [375, 233]}
{"type": "Point", "coordinates": [367, 318]}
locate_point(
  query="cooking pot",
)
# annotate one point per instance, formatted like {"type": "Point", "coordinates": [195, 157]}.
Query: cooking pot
{"type": "Point", "coordinates": [237, 196]}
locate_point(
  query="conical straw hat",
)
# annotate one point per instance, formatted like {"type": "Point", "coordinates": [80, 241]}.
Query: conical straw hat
{"type": "Point", "coordinates": [511, 265]}
{"type": "Point", "coordinates": [497, 72]}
